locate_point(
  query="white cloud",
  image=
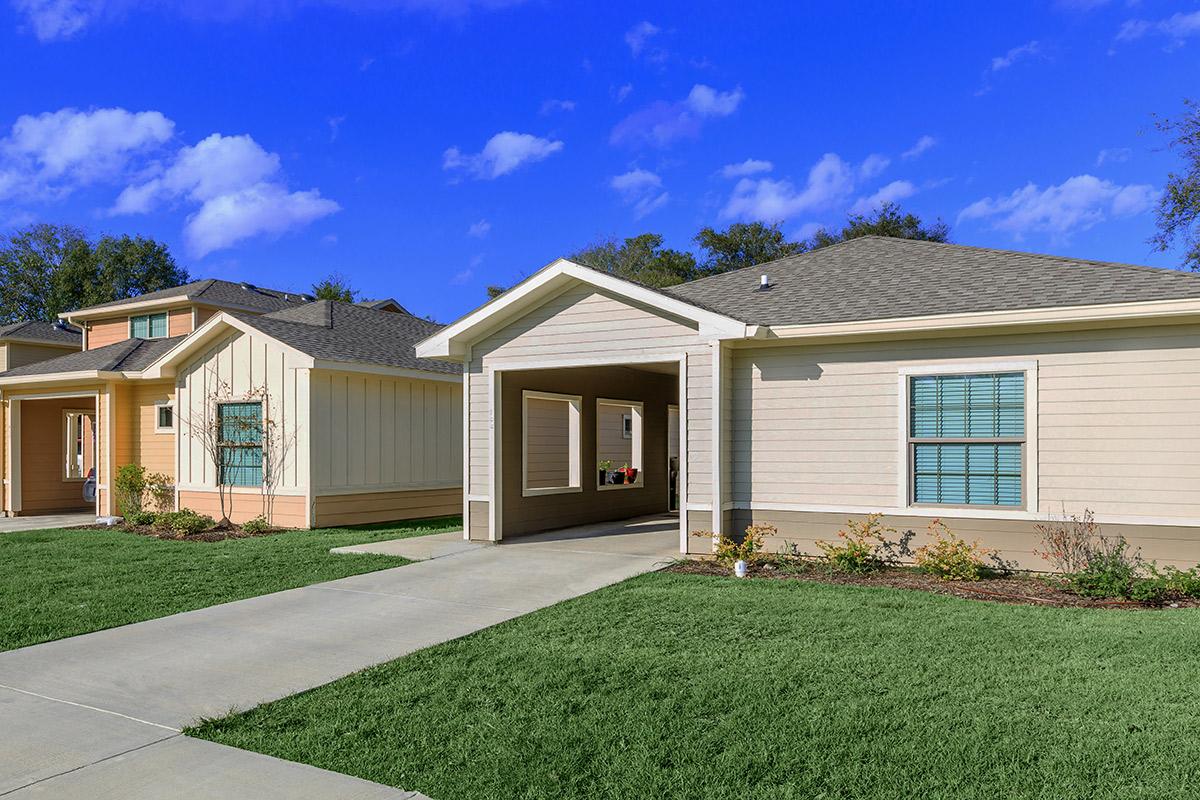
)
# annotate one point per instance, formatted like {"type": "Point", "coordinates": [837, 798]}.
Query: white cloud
{"type": "Point", "coordinates": [1176, 28]}
{"type": "Point", "coordinates": [1077, 203]}
{"type": "Point", "coordinates": [830, 181]}
{"type": "Point", "coordinates": [503, 153]}
{"type": "Point", "coordinates": [873, 165]}
{"type": "Point", "coordinates": [922, 146]}
{"type": "Point", "coordinates": [661, 123]}
{"type": "Point", "coordinates": [551, 106]}
{"type": "Point", "coordinates": [637, 36]}
{"type": "Point", "coordinates": [264, 208]}
{"type": "Point", "coordinates": [621, 92]}
{"type": "Point", "coordinates": [55, 19]}
{"type": "Point", "coordinates": [335, 125]}
{"type": "Point", "coordinates": [479, 229]}
{"type": "Point", "coordinates": [750, 166]}
{"type": "Point", "coordinates": [641, 189]}
{"type": "Point", "coordinates": [1113, 155]}
{"type": "Point", "coordinates": [894, 191]}
{"type": "Point", "coordinates": [237, 186]}
{"type": "Point", "coordinates": [461, 277]}
{"type": "Point", "coordinates": [56, 152]}
{"type": "Point", "coordinates": [1019, 53]}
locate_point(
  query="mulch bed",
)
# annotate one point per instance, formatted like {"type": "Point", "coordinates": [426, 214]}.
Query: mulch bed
{"type": "Point", "coordinates": [1019, 589]}
{"type": "Point", "coordinates": [214, 535]}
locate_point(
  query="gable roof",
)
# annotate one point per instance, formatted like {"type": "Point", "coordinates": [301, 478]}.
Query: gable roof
{"type": "Point", "coordinates": [875, 278]}
{"type": "Point", "coordinates": [38, 331]}
{"type": "Point", "coordinates": [386, 304]}
{"type": "Point", "coordinates": [210, 291]}
{"type": "Point", "coordinates": [130, 355]}
{"type": "Point", "coordinates": [331, 330]}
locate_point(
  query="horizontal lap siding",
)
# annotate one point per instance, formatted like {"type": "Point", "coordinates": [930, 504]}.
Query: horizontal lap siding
{"type": "Point", "coordinates": [583, 323]}
{"type": "Point", "coordinates": [370, 507]}
{"type": "Point", "coordinates": [154, 451]}
{"type": "Point", "coordinates": [107, 331]}
{"type": "Point", "coordinates": [820, 425]}
{"type": "Point", "coordinates": [18, 354]}
{"type": "Point", "coordinates": [547, 443]}
{"type": "Point", "coordinates": [288, 510]}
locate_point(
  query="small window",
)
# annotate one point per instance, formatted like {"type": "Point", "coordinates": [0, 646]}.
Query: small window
{"type": "Point", "coordinates": [550, 443]}
{"type": "Point", "coordinates": [619, 444]}
{"type": "Point", "coordinates": [241, 452]}
{"type": "Point", "coordinates": [79, 428]}
{"type": "Point", "coordinates": [164, 418]}
{"type": "Point", "coordinates": [967, 439]}
{"type": "Point", "coordinates": [148, 326]}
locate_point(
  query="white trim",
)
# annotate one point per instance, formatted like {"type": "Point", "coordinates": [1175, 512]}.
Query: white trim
{"type": "Point", "coordinates": [254, 490]}
{"type": "Point", "coordinates": [452, 340]}
{"type": "Point", "coordinates": [667, 466]}
{"type": "Point", "coordinates": [574, 443]}
{"type": "Point", "coordinates": [466, 445]}
{"type": "Point", "coordinates": [164, 366]}
{"type": "Point", "coordinates": [683, 454]}
{"type": "Point", "coordinates": [165, 313]}
{"type": "Point", "coordinates": [14, 455]}
{"type": "Point", "coordinates": [477, 498]}
{"type": "Point", "coordinates": [566, 362]}
{"type": "Point", "coordinates": [174, 419]}
{"type": "Point", "coordinates": [699, 507]}
{"type": "Point", "coordinates": [495, 479]}
{"type": "Point", "coordinates": [51, 378]}
{"type": "Point", "coordinates": [959, 367]}
{"type": "Point", "coordinates": [716, 443]}
{"type": "Point", "coordinates": [55, 395]}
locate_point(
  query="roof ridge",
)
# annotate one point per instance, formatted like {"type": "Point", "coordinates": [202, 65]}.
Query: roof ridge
{"type": "Point", "coordinates": [761, 264]}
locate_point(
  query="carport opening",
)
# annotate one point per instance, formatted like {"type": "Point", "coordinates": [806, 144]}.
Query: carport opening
{"type": "Point", "coordinates": [54, 464]}
{"type": "Point", "coordinates": [580, 446]}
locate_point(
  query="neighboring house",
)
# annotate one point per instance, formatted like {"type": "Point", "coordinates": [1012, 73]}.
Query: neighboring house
{"type": "Point", "coordinates": [351, 426]}
{"type": "Point", "coordinates": [990, 389]}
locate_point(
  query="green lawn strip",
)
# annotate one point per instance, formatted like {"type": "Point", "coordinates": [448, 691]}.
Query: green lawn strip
{"type": "Point", "coordinates": [57, 583]}
{"type": "Point", "coordinates": [688, 686]}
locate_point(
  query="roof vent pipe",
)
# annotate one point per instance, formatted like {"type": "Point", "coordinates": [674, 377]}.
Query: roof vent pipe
{"type": "Point", "coordinates": [764, 283]}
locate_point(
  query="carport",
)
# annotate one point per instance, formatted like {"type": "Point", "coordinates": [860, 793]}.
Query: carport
{"type": "Point", "coordinates": [49, 454]}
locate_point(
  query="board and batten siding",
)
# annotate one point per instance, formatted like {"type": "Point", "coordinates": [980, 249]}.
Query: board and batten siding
{"type": "Point", "coordinates": [375, 433]}
{"type": "Point", "coordinates": [233, 369]}
{"type": "Point", "coordinates": [579, 325]}
{"type": "Point", "coordinates": [1116, 420]}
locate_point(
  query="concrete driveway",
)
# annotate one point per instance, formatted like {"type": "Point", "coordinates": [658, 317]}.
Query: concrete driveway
{"type": "Point", "coordinates": [99, 715]}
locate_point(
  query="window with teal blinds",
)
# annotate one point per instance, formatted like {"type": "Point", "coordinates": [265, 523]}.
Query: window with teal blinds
{"type": "Point", "coordinates": [967, 438]}
{"type": "Point", "coordinates": [148, 326]}
{"type": "Point", "coordinates": [241, 443]}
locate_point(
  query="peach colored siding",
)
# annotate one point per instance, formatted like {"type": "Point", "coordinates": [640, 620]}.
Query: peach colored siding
{"type": "Point", "coordinates": [179, 321]}
{"type": "Point", "coordinates": [154, 451]}
{"type": "Point", "coordinates": [107, 331]}
{"type": "Point", "coordinates": [289, 510]}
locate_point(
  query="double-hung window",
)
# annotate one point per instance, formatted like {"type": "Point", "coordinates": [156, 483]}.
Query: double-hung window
{"type": "Point", "coordinates": [148, 326]}
{"type": "Point", "coordinates": [966, 439]}
{"type": "Point", "coordinates": [241, 427]}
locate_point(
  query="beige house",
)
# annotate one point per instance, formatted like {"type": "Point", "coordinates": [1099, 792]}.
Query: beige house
{"type": "Point", "coordinates": [990, 389]}
{"type": "Point", "coordinates": [351, 426]}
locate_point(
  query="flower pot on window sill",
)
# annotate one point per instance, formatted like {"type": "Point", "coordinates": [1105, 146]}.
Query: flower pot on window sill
{"type": "Point", "coordinates": [631, 475]}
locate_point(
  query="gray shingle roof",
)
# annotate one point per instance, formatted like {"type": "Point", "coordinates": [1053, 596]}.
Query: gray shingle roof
{"type": "Point", "coordinates": [49, 332]}
{"type": "Point", "coordinates": [877, 277]}
{"type": "Point", "coordinates": [224, 294]}
{"type": "Point", "coordinates": [130, 355]}
{"type": "Point", "coordinates": [336, 331]}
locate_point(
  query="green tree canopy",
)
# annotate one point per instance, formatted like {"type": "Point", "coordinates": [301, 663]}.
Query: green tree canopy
{"type": "Point", "coordinates": [47, 269]}
{"type": "Point", "coordinates": [742, 244]}
{"type": "Point", "coordinates": [887, 220]}
{"type": "Point", "coordinates": [1177, 217]}
{"type": "Point", "coordinates": [335, 287]}
{"type": "Point", "coordinates": [640, 258]}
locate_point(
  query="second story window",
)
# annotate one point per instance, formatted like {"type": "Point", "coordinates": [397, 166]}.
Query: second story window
{"type": "Point", "coordinates": [148, 326]}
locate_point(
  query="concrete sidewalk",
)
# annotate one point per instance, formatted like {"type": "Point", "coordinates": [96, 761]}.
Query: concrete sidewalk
{"type": "Point", "coordinates": [98, 716]}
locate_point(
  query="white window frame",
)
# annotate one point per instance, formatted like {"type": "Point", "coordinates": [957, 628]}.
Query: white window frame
{"type": "Point", "coordinates": [1029, 476]}
{"type": "Point", "coordinates": [574, 443]}
{"type": "Point", "coordinates": [149, 315]}
{"type": "Point", "coordinates": [69, 441]}
{"type": "Point", "coordinates": [158, 428]}
{"type": "Point", "coordinates": [636, 455]}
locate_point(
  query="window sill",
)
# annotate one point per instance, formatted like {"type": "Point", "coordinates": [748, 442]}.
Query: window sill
{"type": "Point", "coordinates": [611, 486]}
{"type": "Point", "coordinates": [1021, 509]}
{"type": "Point", "coordinates": [551, 490]}
{"type": "Point", "coordinates": [164, 430]}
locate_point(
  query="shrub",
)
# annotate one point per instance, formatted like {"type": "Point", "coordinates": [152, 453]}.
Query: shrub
{"type": "Point", "coordinates": [1111, 569]}
{"type": "Point", "coordinates": [1069, 543]}
{"type": "Point", "coordinates": [865, 547]}
{"type": "Point", "coordinates": [950, 558]}
{"type": "Point", "coordinates": [141, 518]}
{"type": "Point", "coordinates": [256, 525]}
{"type": "Point", "coordinates": [129, 486]}
{"type": "Point", "coordinates": [747, 548]}
{"type": "Point", "coordinates": [184, 521]}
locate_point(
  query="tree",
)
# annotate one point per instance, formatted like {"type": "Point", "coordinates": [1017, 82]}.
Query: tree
{"type": "Point", "coordinates": [887, 220]}
{"type": "Point", "coordinates": [640, 258]}
{"type": "Point", "coordinates": [48, 269]}
{"type": "Point", "coordinates": [1177, 216]}
{"type": "Point", "coordinates": [495, 291]}
{"type": "Point", "coordinates": [335, 287]}
{"type": "Point", "coordinates": [742, 244]}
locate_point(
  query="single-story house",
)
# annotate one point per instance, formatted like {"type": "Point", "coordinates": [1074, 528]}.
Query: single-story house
{"type": "Point", "coordinates": [990, 389]}
{"type": "Point", "coordinates": [318, 412]}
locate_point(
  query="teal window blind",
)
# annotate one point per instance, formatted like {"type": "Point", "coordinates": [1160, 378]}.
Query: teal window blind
{"type": "Point", "coordinates": [967, 438]}
{"type": "Point", "coordinates": [241, 427]}
{"type": "Point", "coordinates": [148, 326]}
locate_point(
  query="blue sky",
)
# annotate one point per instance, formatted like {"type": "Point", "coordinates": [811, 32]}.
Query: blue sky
{"type": "Point", "coordinates": [426, 148]}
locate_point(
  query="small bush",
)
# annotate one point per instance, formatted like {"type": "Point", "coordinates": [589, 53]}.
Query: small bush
{"type": "Point", "coordinates": [748, 548]}
{"type": "Point", "coordinates": [129, 486]}
{"type": "Point", "coordinates": [141, 518]}
{"type": "Point", "coordinates": [1069, 543]}
{"type": "Point", "coordinates": [184, 522]}
{"type": "Point", "coordinates": [1110, 571]}
{"type": "Point", "coordinates": [256, 525]}
{"type": "Point", "coordinates": [949, 557]}
{"type": "Point", "coordinates": [865, 547]}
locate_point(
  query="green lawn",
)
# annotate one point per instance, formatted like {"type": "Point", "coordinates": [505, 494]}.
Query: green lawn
{"type": "Point", "coordinates": [688, 686]}
{"type": "Point", "coordinates": [56, 583]}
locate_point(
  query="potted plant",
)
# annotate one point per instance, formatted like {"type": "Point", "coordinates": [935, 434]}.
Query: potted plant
{"type": "Point", "coordinates": [605, 468]}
